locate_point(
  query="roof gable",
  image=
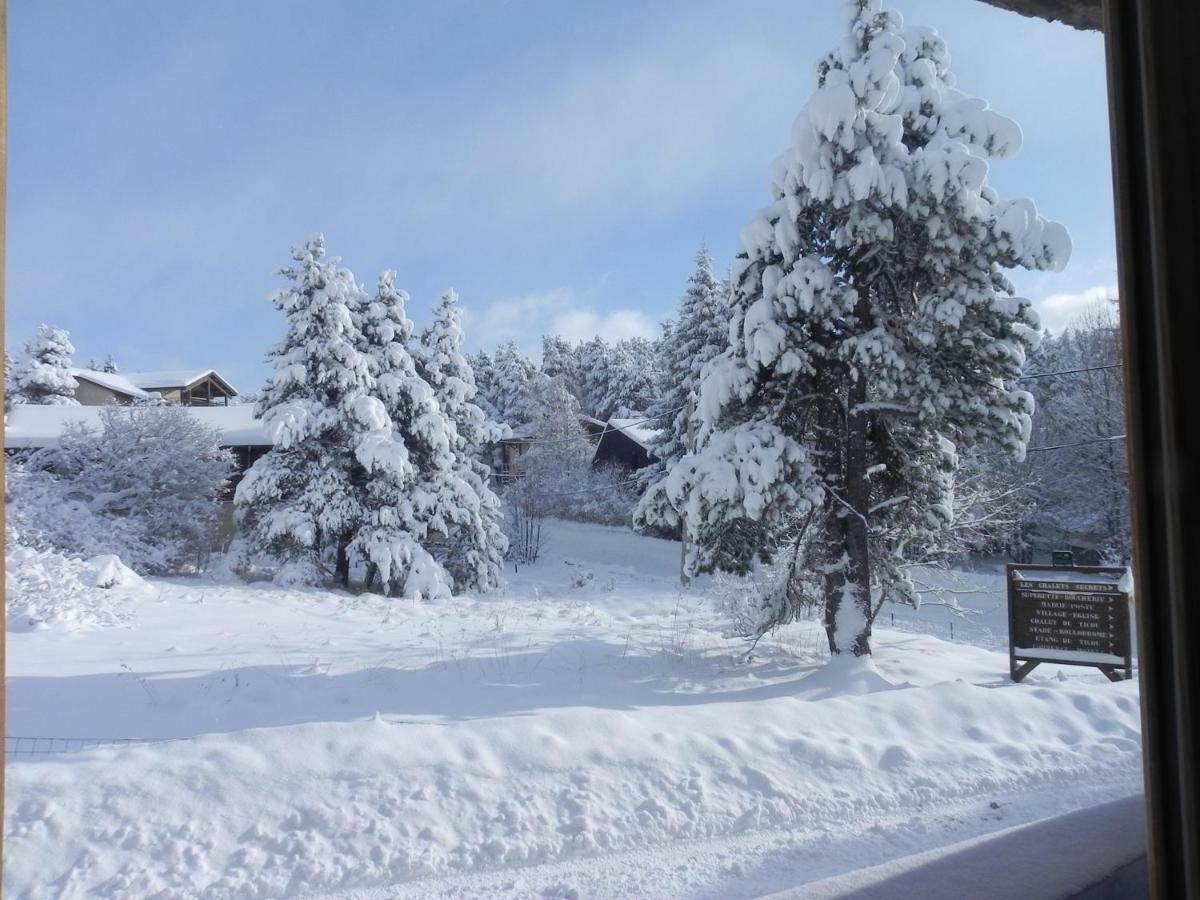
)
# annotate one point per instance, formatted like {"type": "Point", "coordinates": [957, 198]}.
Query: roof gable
{"type": "Point", "coordinates": [112, 381]}
{"type": "Point", "coordinates": [170, 379]}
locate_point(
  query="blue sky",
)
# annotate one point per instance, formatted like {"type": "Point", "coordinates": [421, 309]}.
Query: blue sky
{"type": "Point", "coordinates": [558, 163]}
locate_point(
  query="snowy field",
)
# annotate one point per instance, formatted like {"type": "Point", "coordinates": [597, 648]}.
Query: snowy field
{"type": "Point", "coordinates": [589, 733]}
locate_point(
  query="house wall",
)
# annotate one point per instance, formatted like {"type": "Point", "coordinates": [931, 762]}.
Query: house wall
{"type": "Point", "coordinates": [617, 448]}
{"type": "Point", "coordinates": [89, 394]}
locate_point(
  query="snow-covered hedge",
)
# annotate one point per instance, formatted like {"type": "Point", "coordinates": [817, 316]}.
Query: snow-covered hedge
{"type": "Point", "coordinates": [144, 487]}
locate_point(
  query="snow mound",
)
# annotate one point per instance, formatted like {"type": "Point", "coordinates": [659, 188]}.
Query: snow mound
{"type": "Point", "coordinates": [297, 810]}
{"type": "Point", "coordinates": [45, 589]}
{"type": "Point", "coordinates": [845, 676]}
{"type": "Point", "coordinates": [107, 571]}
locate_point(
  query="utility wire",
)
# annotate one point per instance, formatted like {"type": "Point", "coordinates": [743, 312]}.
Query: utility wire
{"type": "Point", "coordinates": [1069, 372]}
{"type": "Point", "coordinates": [1104, 440]}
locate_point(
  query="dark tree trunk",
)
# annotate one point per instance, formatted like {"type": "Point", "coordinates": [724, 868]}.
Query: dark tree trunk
{"type": "Point", "coordinates": [842, 445]}
{"type": "Point", "coordinates": [854, 519]}
{"type": "Point", "coordinates": [342, 567]}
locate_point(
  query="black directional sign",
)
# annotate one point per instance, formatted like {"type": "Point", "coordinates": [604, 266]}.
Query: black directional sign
{"type": "Point", "coordinates": [1077, 615]}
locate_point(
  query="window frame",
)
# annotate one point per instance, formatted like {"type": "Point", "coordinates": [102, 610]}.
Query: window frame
{"type": "Point", "coordinates": [1154, 102]}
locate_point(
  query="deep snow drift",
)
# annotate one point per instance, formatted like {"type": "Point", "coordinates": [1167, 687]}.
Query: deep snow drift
{"type": "Point", "coordinates": [587, 733]}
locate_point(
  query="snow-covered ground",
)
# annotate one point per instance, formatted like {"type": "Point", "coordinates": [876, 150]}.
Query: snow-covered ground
{"type": "Point", "coordinates": [589, 733]}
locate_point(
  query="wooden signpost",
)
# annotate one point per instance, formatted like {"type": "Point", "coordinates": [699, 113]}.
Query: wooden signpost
{"type": "Point", "coordinates": [1068, 615]}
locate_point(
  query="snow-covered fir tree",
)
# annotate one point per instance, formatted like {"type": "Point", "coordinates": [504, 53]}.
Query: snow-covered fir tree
{"type": "Point", "coordinates": [476, 543]}
{"type": "Point", "coordinates": [301, 504]}
{"type": "Point", "coordinates": [636, 372]}
{"type": "Point", "coordinates": [593, 367]}
{"type": "Point", "coordinates": [873, 333]}
{"type": "Point", "coordinates": [413, 496]}
{"type": "Point", "coordinates": [43, 373]}
{"type": "Point", "coordinates": [617, 379]}
{"type": "Point", "coordinates": [561, 360]}
{"type": "Point", "coordinates": [699, 333]}
{"type": "Point", "coordinates": [508, 385]}
{"type": "Point", "coordinates": [485, 382]}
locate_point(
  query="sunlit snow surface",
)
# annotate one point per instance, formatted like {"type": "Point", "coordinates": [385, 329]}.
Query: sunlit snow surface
{"type": "Point", "coordinates": [552, 741]}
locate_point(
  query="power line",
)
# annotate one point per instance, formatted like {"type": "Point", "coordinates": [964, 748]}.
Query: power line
{"type": "Point", "coordinates": [1103, 440]}
{"type": "Point", "coordinates": [1069, 372]}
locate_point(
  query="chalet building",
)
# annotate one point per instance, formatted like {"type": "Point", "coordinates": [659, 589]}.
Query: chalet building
{"type": "Point", "coordinates": [507, 452]}
{"type": "Point", "coordinates": [195, 387]}
{"type": "Point", "coordinates": [625, 443]}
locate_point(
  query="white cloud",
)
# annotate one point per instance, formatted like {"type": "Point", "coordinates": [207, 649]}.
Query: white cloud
{"type": "Point", "coordinates": [1059, 311]}
{"type": "Point", "coordinates": [526, 318]}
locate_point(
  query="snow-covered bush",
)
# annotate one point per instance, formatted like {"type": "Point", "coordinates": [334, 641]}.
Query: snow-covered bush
{"type": "Point", "coordinates": [745, 601]}
{"type": "Point", "coordinates": [43, 373]}
{"type": "Point", "coordinates": [604, 495]}
{"type": "Point", "coordinates": [145, 487]}
{"type": "Point", "coordinates": [523, 527]}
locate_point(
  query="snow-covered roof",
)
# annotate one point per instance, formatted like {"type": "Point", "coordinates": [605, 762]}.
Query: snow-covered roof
{"type": "Point", "coordinates": [30, 426]}
{"type": "Point", "coordinates": [635, 430]}
{"type": "Point", "coordinates": [112, 381]}
{"type": "Point", "coordinates": [172, 378]}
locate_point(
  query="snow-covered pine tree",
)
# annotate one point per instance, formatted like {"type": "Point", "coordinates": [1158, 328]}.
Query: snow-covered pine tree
{"type": "Point", "coordinates": [634, 377]}
{"type": "Point", "coordinates": [412, 496]}
{"type": "Point", "coordinates": [476, 543]}
{"type": "Point", "coordinates": [873, 332]}
{"type": "Point", "coordinates": [43, 373]}
{"type": "Point", "coordinates": [299, 503]}
{"type": "Point", "coordinates": [560, 360]}
{"type": "Point", "coordinates": [617, 379]}
{"type": "Point", "coordinates": [485, 383]}
{"type": "Point", "coordinates": [699, 333]}
{"type": "Point", "coordinates": [511, 374]}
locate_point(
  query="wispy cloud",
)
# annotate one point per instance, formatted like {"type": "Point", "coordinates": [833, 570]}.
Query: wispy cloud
{"type": "Point", "coordinates": [525, 319]}
{"type": "Point", "coordinates": [1059, 311]}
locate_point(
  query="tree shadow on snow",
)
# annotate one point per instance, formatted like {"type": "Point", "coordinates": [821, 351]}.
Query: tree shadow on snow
{"type": "Point", "coordinates": [580, 673]}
